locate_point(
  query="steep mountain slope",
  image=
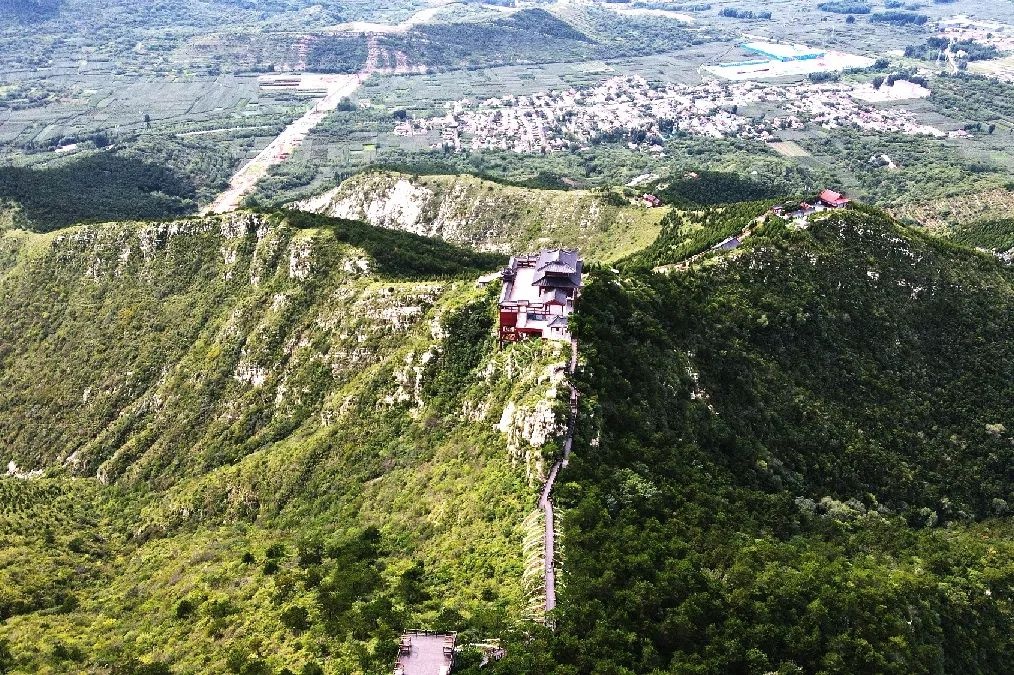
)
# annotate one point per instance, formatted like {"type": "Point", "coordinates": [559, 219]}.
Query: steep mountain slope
{"type": "Point", "coordinates": [940, 214]}
{"type": "Point", "coordinates": [251, 442]}
{"type": "Point", "coordinates": [492, 217]}
{"type": "Point", "coordinates": [995, 235]}
{"type": "Point", "coordinates": [571, 32]}
{"type": "Point", "coordinates": [266, 441]}
{"type": "Point", "coordinates": [800, 462]}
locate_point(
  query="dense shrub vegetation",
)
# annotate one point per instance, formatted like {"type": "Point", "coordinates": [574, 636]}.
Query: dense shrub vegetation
{"type": "Point", "coordinates": [995, 235]}
{"type": "Point", "coordinates": [542, 22]}
{"type": "Point", "coordinates": [795, 462]}
{"type": "Point", "coordinates": [705, 188]}
{"type": "Point", "coordinates": [934, 47]}
{"type": "Point", "coordinates": [845, 7]}
{"type": "Point", "coordinates": [899, 18]}
{"type": "Point", "coordinates": [689, 231]}
{"type": "Point", "coordinates": [337, 54]}
{"type": "Point", "coordinates": [735, 13]}
{"type": "Point", "coordinates": [143, 177]}
{"type": "Point", "coordinates": [973, 97]}
{"type": "Point", "coordinates": [401, 254]}
{"type": "Point", "coordinates": [100, 187]}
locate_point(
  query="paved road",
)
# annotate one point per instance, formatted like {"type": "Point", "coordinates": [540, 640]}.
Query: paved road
{"type": "Point", "coordinates": [338, 87]}
{"type": "Point", "coordinates": [546, 502]}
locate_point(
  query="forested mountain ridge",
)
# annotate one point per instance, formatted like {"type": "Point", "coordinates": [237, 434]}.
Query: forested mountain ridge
{"type": "Point", "coordinates": [272, 440]}
{"type": "Point", "coordinates": [795, 458]}
{"type": "Point", "coordinates": [248, 442]}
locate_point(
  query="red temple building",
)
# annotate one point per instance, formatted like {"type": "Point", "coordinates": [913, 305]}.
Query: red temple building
{"type": "Point", "coordinates": [538, 295]}
{"type": "Point", "coordinates": [834, 200]}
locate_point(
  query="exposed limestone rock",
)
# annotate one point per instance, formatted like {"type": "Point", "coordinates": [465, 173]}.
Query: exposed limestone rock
{"type": "Point", "coordinates": [14, 471]}
{"type": "Point", "coordinates": [529, 427]}
{"type": "Point", "coordinates": [250, 373]}
{"type": "Point", "coordinates": [409, 380]}
{"type": "Point", "coordinates": [300, 264]}
{"type": "Point", "coordinates": [482, 214]}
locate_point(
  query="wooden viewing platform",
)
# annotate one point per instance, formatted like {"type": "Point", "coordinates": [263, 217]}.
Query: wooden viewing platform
{"type": "Point", "coordinates": [423, 652]}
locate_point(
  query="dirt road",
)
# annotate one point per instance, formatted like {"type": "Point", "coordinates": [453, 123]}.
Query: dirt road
{"type": "Point", "coordinates": [278, 150]}
{"type": "Point", "coordinates": [338, 87]}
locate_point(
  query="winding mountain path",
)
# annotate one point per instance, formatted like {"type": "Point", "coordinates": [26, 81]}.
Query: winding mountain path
{"type": "Point", "coordinates": [546, 502]}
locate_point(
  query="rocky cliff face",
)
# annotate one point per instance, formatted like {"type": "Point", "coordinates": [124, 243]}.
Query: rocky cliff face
{"type": "Point", "coordinates": [201, 388]}
{"type": "Point", "coordinates": [489, 216]}
{"type": "Point", "coordinates": [189, 344]}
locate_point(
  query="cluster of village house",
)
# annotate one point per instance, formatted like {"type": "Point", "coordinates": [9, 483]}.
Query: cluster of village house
{"type": "Point", "coordinates": [644, 114]}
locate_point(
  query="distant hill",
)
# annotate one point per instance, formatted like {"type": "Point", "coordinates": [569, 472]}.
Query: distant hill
{"type": "Point", "coordinates": [29, 10]}
{"type": "Point", "coordinates": [543, 23]}
{"type": "Point", "coordinates": [490, 216]}
{"type": "Point", "coordinates": [568, 33]}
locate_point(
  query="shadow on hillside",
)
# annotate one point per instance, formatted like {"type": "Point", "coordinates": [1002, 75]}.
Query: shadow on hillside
{"type": "Point", "coordinates": [708, 188]}
{"type": "Point", "coordinates": [402, 254]}
{"type": "Point", "coordinates": [99, 187]}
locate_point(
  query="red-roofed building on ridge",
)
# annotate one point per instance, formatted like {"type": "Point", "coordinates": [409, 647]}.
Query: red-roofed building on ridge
{"type": "Point", "coordinates": [538, 295]}
{"type": "Point", "coordinates": [834, 200]}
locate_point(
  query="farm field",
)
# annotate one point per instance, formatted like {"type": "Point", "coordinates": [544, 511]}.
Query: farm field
{"type": "Point", "coordinates": [789, 149]}
{"type": "Point", "coordinates": [121, 105]}
{"type": "Point", "coordinates": [283, 145]}
{"type": "Point", "coordinates": [198, 90]}
{"type": "Point", "coordinates": [1002, 69]}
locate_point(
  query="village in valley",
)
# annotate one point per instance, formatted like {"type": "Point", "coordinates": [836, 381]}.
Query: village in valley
{"type": "Point", "coordinates": [629, 107]}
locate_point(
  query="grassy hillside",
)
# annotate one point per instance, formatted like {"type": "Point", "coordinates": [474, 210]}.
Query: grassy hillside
{"type": "Point", "coordinates": [690, 230]}
{"type": "Point", "coordinates": [943, 214]}
{"type": "Point", "coordinates": [494, 217]}
{"type": "Point", "coordinates": [796, 460]}
{"type": "Point", "coordinates": [249, 443]}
